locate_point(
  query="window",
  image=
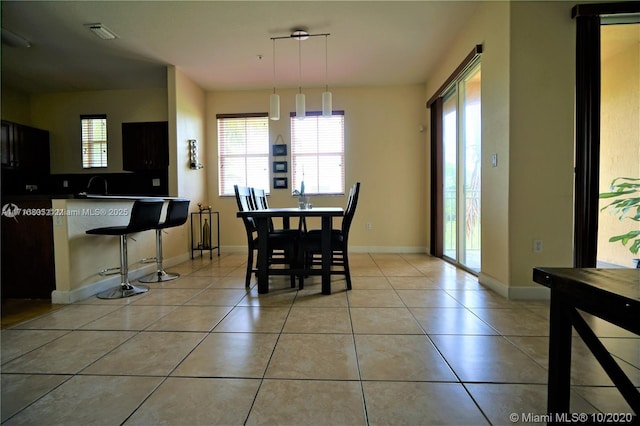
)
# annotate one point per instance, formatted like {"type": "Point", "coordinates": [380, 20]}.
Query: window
{"type": "Point", "coordinates": [94, 141]}
{"type": "Point", "coordinates": [317, 153]}
{"type": "Point", "coordinates": [243, 151]}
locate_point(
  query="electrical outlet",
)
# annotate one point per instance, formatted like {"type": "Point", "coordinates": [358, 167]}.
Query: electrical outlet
{"type": "Point", "coordinates": [58, 220]}
{"type": "Point", "coordinates": [537, 246]}
{"type": "Point", "coordinates": [369, 226]}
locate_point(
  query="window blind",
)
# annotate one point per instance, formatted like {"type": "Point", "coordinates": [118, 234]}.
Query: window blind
{"type": "Point", "coordinates": [94, 140]}
{"type": "Point", "coordinates": [243, 151]}
{"type": "Point", "coordinates": [317, 153]}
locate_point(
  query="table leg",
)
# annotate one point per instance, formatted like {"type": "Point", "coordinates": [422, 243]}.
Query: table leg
{"type": "Point", "coordinates": [559, 386]}
{"type": "Point", "coordinates": [263, 254]}
{"type": "Point", "coordinates": [325, 239]}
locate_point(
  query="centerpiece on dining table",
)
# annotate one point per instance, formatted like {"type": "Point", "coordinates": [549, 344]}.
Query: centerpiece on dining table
{"type": "Point", "coordinates": [303, 200]}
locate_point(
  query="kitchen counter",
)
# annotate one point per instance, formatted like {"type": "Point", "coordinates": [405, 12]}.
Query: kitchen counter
{"type": "Point", "coordinates": [79, 257]}
{"type": "Point", "coordinates": [79, 196]}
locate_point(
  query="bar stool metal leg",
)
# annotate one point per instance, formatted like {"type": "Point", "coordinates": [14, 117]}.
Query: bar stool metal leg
{"type": "Point", "coordinates": [160, 275]}
{"type": "Point", "coordinates": [126, 289]}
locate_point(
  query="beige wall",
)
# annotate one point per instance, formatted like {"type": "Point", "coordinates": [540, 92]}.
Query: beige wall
{"type": "Point", "coordinates": [384, 150]}
{"type": "Point", "coordinates": [527, 115]}
{"type": "Point", "coordinates": [541, 136]}
{"type": "Point", "coordinates": [620, 133]}
{"type": "Point", "coordinates": [16, 107]}
{"type": "Point", "coordinates": [59, 113]}
{"type": "Point", "coordinates": [187, 121]}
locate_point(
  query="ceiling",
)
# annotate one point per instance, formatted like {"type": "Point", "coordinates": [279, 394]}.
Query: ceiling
{"type": "Point", "coordinates": [218, 44]}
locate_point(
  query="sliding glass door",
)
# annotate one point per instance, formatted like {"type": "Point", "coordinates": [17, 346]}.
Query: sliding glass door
{"type": "Point", "coordinates": [461, 151]}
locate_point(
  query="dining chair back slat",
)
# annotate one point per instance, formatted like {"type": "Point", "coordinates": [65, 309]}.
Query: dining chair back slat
{"type": "Point", "coordinates": [282, 245]}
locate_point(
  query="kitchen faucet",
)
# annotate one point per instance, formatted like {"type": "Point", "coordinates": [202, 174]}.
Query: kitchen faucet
{"type": "Point", "coordinates": [97, 177]}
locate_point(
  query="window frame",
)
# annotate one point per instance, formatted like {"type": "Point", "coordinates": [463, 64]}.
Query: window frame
{"type": "Point", "coordinates": [89, 160]}
{"type": "Point", "coordinates": [317, 115]}
{"type": "Point", "coordinates": [222, 176]}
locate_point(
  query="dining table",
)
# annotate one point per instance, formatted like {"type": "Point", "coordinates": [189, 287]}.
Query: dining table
{"type": "Point", "coordinates": [262, 219]}
{"type": "Point", "coordinates": [613, 295]}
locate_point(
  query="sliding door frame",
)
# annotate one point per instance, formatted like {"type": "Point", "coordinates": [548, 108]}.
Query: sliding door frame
{"type": "Point", "coordinates": [587, 125]}
{"type": "Point", "coordinates": [435, 104]}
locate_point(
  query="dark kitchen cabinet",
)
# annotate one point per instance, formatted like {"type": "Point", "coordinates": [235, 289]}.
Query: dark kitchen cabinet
{"type": "Point", "coordinates": [25, 148]}
{"type": "Point", "coordinates": [145, 146]}
{"type": "Point", "coordinates": [28, 263]}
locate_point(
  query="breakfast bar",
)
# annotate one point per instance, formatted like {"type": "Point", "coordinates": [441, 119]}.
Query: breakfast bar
{"type": "Point", "coordinates": [80, 257]}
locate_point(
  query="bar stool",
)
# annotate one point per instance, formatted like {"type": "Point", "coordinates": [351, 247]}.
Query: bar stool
{"type": "Point", "coordinates": [177, 214]}
{"type": "Point", "coordinates": [145, 215]}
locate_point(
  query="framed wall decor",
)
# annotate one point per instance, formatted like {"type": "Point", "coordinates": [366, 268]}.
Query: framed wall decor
{"type": "Point", "coordinates": [280, 167]}
{"type": "Point", "coordinates": [280, 183]}
{"type": "Point", "coordinates": [279, 150]}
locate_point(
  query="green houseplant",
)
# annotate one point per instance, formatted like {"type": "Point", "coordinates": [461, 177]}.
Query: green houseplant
{"type": "Point", "coordinates": [625, 204]}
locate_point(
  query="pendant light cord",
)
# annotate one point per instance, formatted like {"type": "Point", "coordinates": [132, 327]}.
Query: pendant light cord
{"type": "Point", "coordinates": [326, 64]}
{"type": "Point", "coordinates": [274, 66]}
{"type": "Point", "coordinates": [299, 66]}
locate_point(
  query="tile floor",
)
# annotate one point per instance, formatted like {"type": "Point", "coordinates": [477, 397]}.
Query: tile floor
{"type": "Point", "coordinates": [415, 342]}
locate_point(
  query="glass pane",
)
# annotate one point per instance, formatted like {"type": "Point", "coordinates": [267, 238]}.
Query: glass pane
{"type": "Point", "coordinates": [450, 178]}
{"type": "Point", "coordinates": [317, 154]}
{"type": "Point", "coordinates": [470, 161]}
{"type": "Point", "coordinates": [619, 138]}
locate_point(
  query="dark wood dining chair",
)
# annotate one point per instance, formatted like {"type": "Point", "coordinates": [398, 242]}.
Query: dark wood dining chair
{"type": "Point", "coordinates": [282, 245]}
{"type": "Point", "coordinates": [311, 244]}
{"type": "Point", "coordinates": [260, 201]}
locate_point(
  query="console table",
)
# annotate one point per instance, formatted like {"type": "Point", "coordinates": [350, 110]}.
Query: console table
{"type": "Point", "coordinates": [200, 245]}
{"type": "Point", "coordinates": [610, 294]}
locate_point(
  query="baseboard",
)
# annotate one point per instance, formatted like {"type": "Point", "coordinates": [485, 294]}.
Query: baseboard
{"type": "Point", "coordinates": [387, 249]}
{"type": "Point", "coordinates": [86, 291]}
{"type": "Point", "coordinates": [352, 249]}
{"type": "Point", "coordinates": [493, 284]}
{"type": "Point", "coordinates": [514, 292]}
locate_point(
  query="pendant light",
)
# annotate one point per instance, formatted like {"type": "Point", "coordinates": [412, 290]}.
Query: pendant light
{"type": "Point", "coordinates": [300, 100]}
{"type": "Point", "coordinates": [326, 95]}
{"type": "Point", "coordinates": [274, 99]}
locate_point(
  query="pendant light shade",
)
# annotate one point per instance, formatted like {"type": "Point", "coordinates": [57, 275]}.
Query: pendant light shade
{"type": "Point", "coordinates": [274, 107]}
{"type": "Point", "coordinates": [326, 104]}
{"type": "Point", "coordinates": [300, 106]}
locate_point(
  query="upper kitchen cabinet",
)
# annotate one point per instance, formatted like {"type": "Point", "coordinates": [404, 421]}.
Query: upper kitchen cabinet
{"type": "Point", "coordinates": [25, 148]}
{"type": "Point", "coordinates": [145, 146]}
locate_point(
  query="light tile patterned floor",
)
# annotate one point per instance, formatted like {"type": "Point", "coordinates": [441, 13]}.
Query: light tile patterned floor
{"type": "Point", "coordinates": [416, 341]}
